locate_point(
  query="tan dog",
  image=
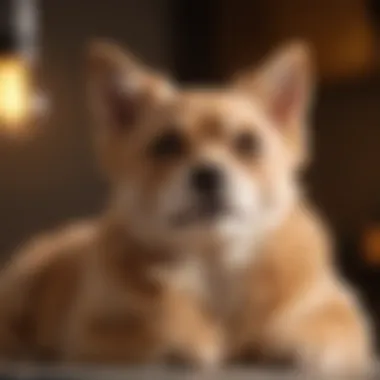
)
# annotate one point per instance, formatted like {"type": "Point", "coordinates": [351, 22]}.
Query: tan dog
{"type": "Point", "coordinates": [207, 250]}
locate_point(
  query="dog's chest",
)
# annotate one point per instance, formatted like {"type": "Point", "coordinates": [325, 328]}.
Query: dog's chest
{"type": "Point", "coordinates": [221, 287]}
{"type": "Point", "coordinates": [213, 280]}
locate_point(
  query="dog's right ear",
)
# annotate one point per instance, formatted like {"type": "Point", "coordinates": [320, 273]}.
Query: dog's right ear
{"type": "Point", "coordinates": [120, 88]}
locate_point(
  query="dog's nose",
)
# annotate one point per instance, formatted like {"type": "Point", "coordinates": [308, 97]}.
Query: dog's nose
{"type": "Point", "coordinates": [207, 179]}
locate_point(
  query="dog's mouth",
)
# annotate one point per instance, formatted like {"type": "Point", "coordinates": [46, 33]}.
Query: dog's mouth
{"type": "Point", "coordinates": [206, 212]}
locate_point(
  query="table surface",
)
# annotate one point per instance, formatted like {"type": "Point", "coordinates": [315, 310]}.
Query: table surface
{"type": "Point", "coordinates": [31, 372]}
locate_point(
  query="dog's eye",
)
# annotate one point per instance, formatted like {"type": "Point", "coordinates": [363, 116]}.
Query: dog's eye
{"type": "Point", "coordinates": [167, 145]}
{"type": "Point", "coordinates": [247, 144]}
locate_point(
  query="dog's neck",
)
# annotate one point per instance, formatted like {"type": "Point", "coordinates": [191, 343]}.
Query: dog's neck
{"type": "Point", "coordinates": [213, 270]}
{"type": "Point", "coordinates": [233, 252]}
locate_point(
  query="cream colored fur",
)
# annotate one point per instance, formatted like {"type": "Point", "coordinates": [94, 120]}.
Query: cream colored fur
{"type": "Point", "coordinates": [152, 278]}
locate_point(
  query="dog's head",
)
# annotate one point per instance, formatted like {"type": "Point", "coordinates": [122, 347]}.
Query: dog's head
{"type": "Point", "coordinates": [200, 164]}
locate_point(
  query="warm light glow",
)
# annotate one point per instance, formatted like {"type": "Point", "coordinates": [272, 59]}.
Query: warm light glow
{"type": "Point", "coordinates": [15, 92]}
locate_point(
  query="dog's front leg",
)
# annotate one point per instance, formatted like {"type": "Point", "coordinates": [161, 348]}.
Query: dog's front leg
{"type": "Point", "coordinates": [192, 334]}
{"type": "Point", "coordinates": [128, 339]}
{"type": "Point", "coordinates": [331, 337]}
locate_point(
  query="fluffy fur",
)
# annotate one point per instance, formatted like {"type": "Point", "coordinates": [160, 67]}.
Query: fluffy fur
{"type": "Point", "coordinates": [168, 270]}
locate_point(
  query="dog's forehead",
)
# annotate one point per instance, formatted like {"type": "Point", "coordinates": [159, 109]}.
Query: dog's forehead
{"type": "Point", "coordinates": [225, 110]}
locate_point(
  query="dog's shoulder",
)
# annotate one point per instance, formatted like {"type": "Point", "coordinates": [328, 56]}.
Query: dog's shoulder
{"type": "Point", "coordinates": [304, 235]}
{"type": "Point", "coordinates": [295, 254]}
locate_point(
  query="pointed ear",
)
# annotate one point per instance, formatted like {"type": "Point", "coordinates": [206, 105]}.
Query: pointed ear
{"type": "Point", "coordinates": [120, 88]}
{"type": "Point", "coordinates": [284, 86]}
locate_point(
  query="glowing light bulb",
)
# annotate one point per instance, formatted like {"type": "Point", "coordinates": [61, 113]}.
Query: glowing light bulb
{"type": "Point", "coordinates": [15, 92]}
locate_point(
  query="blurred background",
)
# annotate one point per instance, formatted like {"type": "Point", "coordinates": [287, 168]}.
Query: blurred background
{"type": "Point", "coordinates": [47, 174]}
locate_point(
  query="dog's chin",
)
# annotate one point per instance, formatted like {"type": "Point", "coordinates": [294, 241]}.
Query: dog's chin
{"type": "Point", "coordinates": [199, 218]}
{"type": "Point", "coordinates": [208, 225]}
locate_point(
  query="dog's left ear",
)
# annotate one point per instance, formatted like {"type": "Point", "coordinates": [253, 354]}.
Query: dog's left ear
{"type": "Point", "coordinates": [121, 88]}
{"type": "Point", "coordinates": [284, 86]}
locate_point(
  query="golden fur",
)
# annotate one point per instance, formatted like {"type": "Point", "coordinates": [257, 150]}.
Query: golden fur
{"type": "Point", "coordinates": [151, 277]}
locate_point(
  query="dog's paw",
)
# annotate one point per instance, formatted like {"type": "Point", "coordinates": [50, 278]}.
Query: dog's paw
{"type": "Point", "coordinates": [334, 358]}
{"type": "Point", "coordinates": [203, 352]}
{"type": "Point", "coordinates": [205, 357]}
{"type": "Point", "coordinates": [208, 355]}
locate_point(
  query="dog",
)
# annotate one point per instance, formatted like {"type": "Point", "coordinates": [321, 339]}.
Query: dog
{"type": "Point", "coordinates": [208, 250]}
